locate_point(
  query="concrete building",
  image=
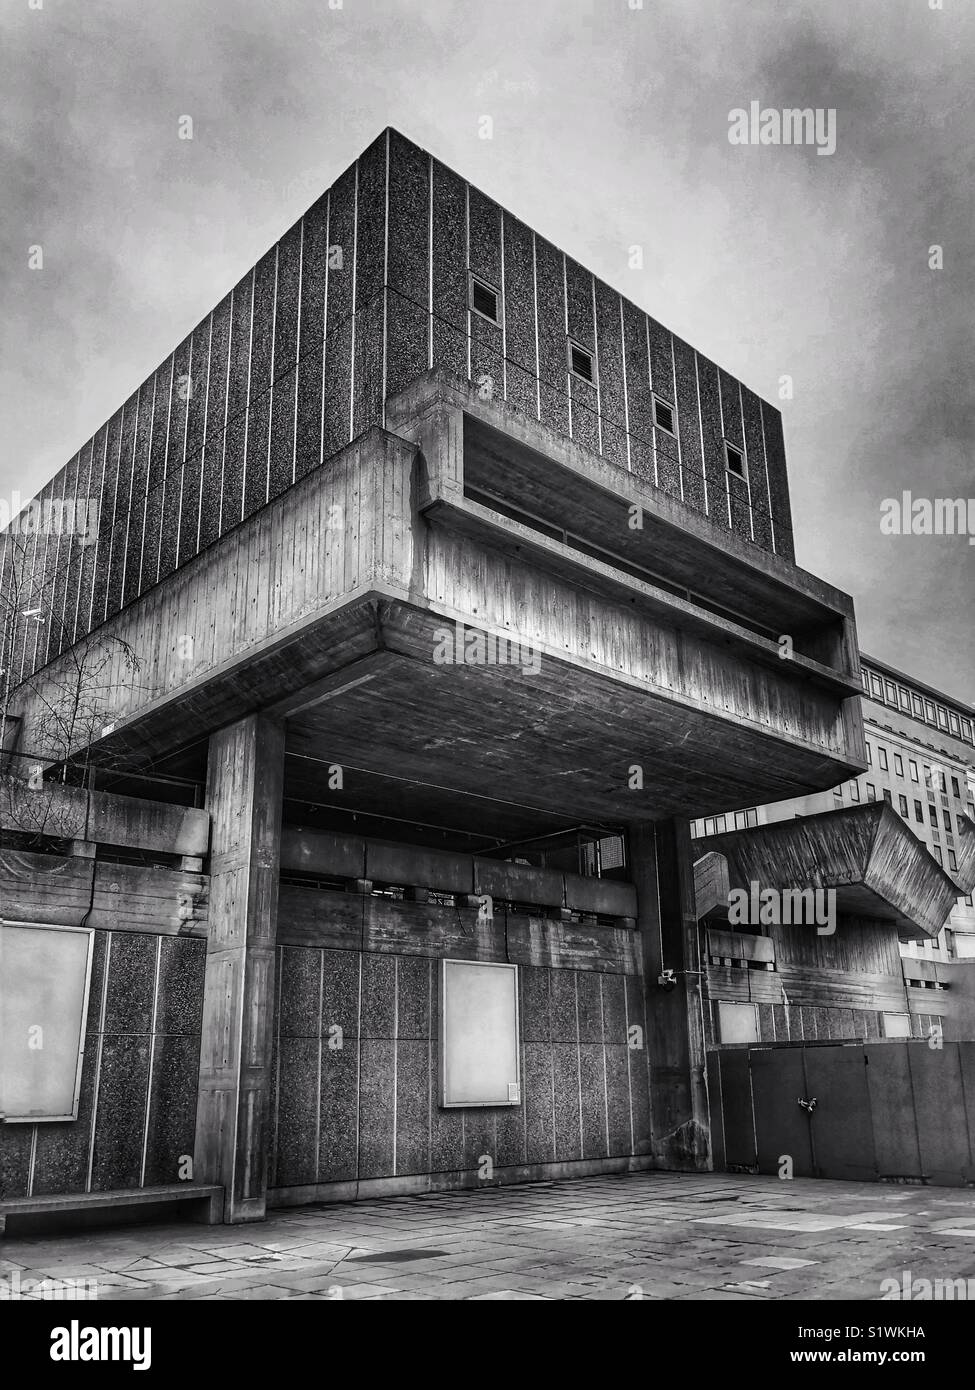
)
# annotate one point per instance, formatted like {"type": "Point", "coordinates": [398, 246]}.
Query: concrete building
{"type": "Point", "coordinates": [435, 587]}
{"type": "Point", "coordinates": [921, 756]}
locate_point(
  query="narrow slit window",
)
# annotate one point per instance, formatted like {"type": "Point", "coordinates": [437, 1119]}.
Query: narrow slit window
{"type": "Point", "coordinates": [663, 415]}
{"type": "Point", "coordinates": [734, 460]}
{"type": "Point", "coordinates": [484, 300]}
{"type": "Point", "coordinates": [580, 362]}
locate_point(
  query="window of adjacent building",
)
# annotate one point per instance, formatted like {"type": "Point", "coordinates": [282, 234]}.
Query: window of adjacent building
{"type": "Point", "coordinates": [869, 753]}
{"type": "Point", "coordinates": [721, 824]}
{"type": "Point", "coordinates": [966, 730]}
{"type": "Point", "coordinates": [663, 415]}
{"type": "Point", "coordinates": [913, 766]}
{"type": "Point", "coordinates": [752, 816]}
{"type": "Point", "coordinates": [876, 686]}
{"type": "Point", "coordinates": [734, 460]}
{"type": "Point", "coordinates": [952, 860]}
{"type": "Point", "coordinates": [905, 698]}
{"type": "Point", "coordinates": [737, 1023]}
{"type": "Point", "coordinates": [887, 797]}
{"type": "Point", "coordinates": [854, 791]}
{"type": "Point", "coordinates": [936, 851]}
{"type": "Point", "coordinates": [929, 712]}
{"type": "Point", "coordinates": [898, 765]}
{"type": "Point", "coordinates": [918, 705]}
{"type": "Point", "coordinates": [865, 681]}
{"type": "Point", "coordinates": [955, 789]}
{"type": "Point", "coordinates": [709, 825]}
{"type": "Point", "coordinates": [580, 362]}
{"type": "Point", "coordinates": [891, 689]}
{"type": "Point", "coordinates": [897, 1025]}
{"type": "Point", "coordinates": [953, 721]}
{"type": "Point", "coordinates": [933, 815]}
{"type": "Point", "coordinates": [942, 717]}
{"type": "Point", "coordinates": [871, 792]}
{"type": "Point", "coordinates": [740, 820]}
{"type": "Point", "coordinates": [485, 299]}
{"type": "Point", "coordinates": [918, 812]}
{"type": "Point", "coordinates": [902, 806]}
{"type": "Point", "coordinates": [838, 794]}
{"type": "Point", "coordinates": [882, 755]}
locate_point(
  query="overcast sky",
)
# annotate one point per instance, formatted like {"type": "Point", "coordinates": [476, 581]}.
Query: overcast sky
{"type": "Point", "coordinates": [610, 129]}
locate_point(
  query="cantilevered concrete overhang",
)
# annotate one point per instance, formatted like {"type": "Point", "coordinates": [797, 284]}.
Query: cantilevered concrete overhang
{"type": "Point", "coordinates": [623, 693]}
{"type": "Point", "coordinates": [878, 868]}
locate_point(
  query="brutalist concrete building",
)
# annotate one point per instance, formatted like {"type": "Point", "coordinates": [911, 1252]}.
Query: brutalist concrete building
{"type": "Point", "coordinates": [434, 588]}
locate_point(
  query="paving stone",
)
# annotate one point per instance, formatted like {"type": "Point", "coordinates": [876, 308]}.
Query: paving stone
{"type": "Point", "coordinates": [646, 1235]}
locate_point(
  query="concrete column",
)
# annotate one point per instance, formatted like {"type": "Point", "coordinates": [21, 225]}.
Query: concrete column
{"type": "Point", "coordinates": [245, 774]}
{"type": "Point", "coordinates": [662, 869]}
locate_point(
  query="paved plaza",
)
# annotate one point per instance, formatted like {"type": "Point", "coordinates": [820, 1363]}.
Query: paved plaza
{"type": "Point", "coordinates": [639, 1235]}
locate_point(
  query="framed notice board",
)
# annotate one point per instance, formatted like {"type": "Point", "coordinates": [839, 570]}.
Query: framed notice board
{"type": "Point", "coordinates": [45, 974]}
{"type": "Point", "coordinates": [479, 1050]}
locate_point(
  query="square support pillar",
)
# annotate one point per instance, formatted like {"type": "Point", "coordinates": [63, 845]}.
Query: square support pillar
{"type": "Point", "coordinates": [662, 869]}
{"type": "Point", "coordinates": [245, 777]}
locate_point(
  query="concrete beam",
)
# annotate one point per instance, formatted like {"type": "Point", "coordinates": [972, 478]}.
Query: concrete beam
{"type": "Point", "coordinates": [662, 869]}
{"type": "Point", "coordinates": [245, 780]}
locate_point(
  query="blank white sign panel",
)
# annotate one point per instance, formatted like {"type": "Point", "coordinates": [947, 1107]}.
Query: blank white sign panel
{"type": "Point", "coordinates": [479, 1034]}
{"type": "Point", "coordinates": [44, 976]}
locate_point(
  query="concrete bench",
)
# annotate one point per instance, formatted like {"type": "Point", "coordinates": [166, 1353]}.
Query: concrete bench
{"type": "Point", "coordinates": [82, 1208]}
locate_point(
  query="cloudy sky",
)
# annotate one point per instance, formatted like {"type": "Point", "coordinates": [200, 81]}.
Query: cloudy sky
{"type": "Point", "coordinates": [610, 129]}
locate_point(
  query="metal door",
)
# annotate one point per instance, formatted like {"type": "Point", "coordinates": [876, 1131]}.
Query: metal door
{"type": "Point", "coordinates": [841, 1126]}
{"type": "Point", "coordinates": [781, 1125]}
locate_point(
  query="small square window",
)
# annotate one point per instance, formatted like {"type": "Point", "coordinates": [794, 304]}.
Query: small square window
{"type": "Point", "coordinates": [484, 299]}
{"type": "Point", "coordinates": [734, 460]}
{"type": "Point", "coordinates": [663, 415]}
{"type": "Point", "coordinates": [737, 1023]}
{"type": "Point", "coordinates": [580, 362]}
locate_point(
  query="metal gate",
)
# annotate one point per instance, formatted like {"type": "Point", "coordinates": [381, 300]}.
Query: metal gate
{"type": "Point", "coordinates": [809, 1104]}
